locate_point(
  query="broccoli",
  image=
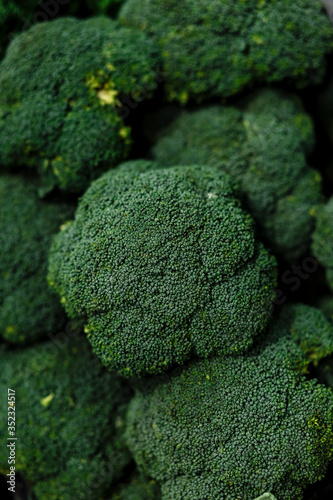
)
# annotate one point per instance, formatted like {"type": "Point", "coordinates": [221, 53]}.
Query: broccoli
{"type": "Point", "coordinates": [322, 239]}
{"type": "Point", "coordinates": [17, 16]}
{"type": "Point", "coordinates": [163, 264]}
{"type": "Point", "coordinates": [70, 419]}
{"type": "Point", "coordinates": [28, 307]}
{"type": "Point", "coordinates": [239, 426]}
{"type": "Point", "coordinates": [218, 48]}
{"type": "Point", "coordinates": [137, 488]}
{"type": "Point", "coordinates": [61, 86]}
{"type": "Point", "coordinates": [262, 144]}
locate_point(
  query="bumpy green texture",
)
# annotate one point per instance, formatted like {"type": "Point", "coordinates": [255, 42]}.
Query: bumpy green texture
{"type": "Point", "coordinates": [163, 265]}
{"type": "Point", "coordinates": [238, 426]}
{"type": "Point", "coordinates": [70, 418]}
{"type": "Point", "coordinates": [262, 144]}
{"type": "Point", "coordinates": [29, 308]}
{"type": "Point", "coordinates": [218, 48]}
{"type": "Point", "coordinates": [137, 488]}
{"type": "Point", "coordinates": [17, 16]}
{"type": "Point", "coordinates": [322, 239]}
{"type": "Point", "coordinates": [61, 86]}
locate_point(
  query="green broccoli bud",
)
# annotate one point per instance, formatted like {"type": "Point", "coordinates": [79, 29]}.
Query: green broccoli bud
{"type": "Point", "coordinates": [29, 308]}
{"type": "Point", "coordinates": [17, 16]}
{"type": "Point", "coordinates": [322, 239]}
{"type": "Point", "coordinates": [162, 265]}
{"type": "Point", "coordinates": [61, 90]}
{"type": "Point", "coordinates": [237, 426]}
{"type": "Point", "coordinates": [218, 48]}
{"type": "Point", "coordinates": [70, 419]}
{"type": "Point", "coordinates": [262, 144]}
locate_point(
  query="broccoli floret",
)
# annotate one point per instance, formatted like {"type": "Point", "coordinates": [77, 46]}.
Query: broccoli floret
{"type": "Point", "coordinates": [137, 488]}
{"type": "Point", "coordinates": [218, 47]}
{"type": "Point", "coordinates": [70, 419]}
{"type": "Point", "coordinates": [322, 239]}
{"type": "Point", "coordinates": [61, 85]}
{"type": "Point", "coordinates": [162, 265]}
{"type": "Point", "coordinates": [236, 427]}
{"type": "Point", "coordinates": [17, 15]}
{"type": "Point", "coordinates": [262, 144]}
{"type": "Point", "coordinates": [29, 308]}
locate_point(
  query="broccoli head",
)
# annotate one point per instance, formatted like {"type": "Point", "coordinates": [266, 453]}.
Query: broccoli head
{"type": "Point", "coordinates": [239, 426]}
{"type": "Point", "coordinates": [262, 144]}
{"type": "Point", "coordinates": [70, 416]}
{"type": "Point", "coordinates": [322, 239]}
{"type": "Point", "coordinates": [218, 48]}
{"type": "Point", "coordinates": [61, 90]}
{"type": "Point", "coordinates": [163, 264]}
{"type": "Point", "coordinates": [17, 16]}
{"type": "Point", "coordinates": [29, 308]}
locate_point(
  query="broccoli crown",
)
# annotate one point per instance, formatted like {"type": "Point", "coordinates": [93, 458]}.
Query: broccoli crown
{"type": "Point", "coordinates": [28, 307]}
{"type": "Point", "coordinates": [322, 239]}
{"type": "Point", "coordinates": [236, 427]}
{"type": "Point", "coordinates": [70, 416]}
{"type": "Point", "coordinates": [17, 16]}
{"type": "Point", "coordinates": [61, 85]}
{"type": "Point", "coordinates": [262, 144]}
{"type": "Point", "coordinates": [137, 487]}
{"type": "Point", "coordinates": [218, 48]}
{"type": "Point", "coordinates": [163, 264]}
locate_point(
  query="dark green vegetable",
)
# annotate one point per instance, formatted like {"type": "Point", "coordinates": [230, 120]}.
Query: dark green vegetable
{"type": "Point", "coordinates": [69, 420]}
{"type": "Point", "coordinates": [163, 265]}
{"type": "Point", "coordinates": [218, 47]}
{"type": "Point", "coordinates": [61, 89]}
{"type": "Point", "coordinates": [29, 308]}
{"type": "Point", "coordinates": [262, 144]}
{"type": "Point", "coordinates": [236, 427]}
{"type": "Point", "coordinates": [17, 16]}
